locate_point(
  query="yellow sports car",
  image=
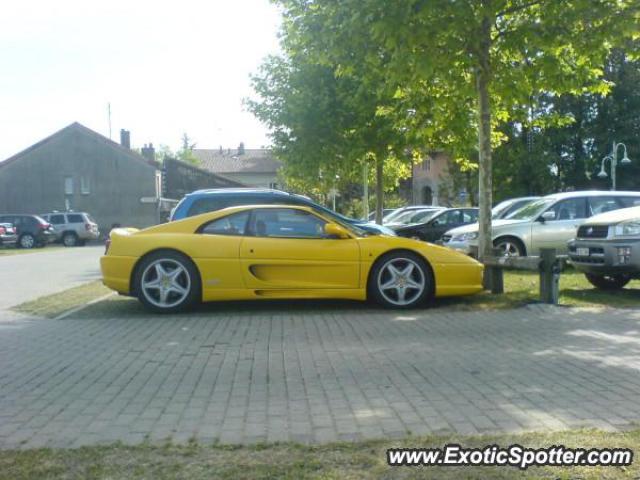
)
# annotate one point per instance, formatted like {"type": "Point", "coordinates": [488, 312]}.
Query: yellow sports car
{"type": "Point", "coordinates": [278, 251]}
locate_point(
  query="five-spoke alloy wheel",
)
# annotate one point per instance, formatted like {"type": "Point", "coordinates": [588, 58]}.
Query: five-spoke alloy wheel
{"type": "Point", "coordinates": [400, 280]}
{"type": "Point", "coordinates": [167, 282]}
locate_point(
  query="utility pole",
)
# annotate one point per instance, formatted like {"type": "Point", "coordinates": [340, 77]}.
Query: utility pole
{"type": "Point", "coordinates": [365, 189]}
{"type": "Point", "coordinates": [109, 117]}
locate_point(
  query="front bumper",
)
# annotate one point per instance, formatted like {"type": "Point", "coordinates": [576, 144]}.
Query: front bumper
{"type": "Point", "coordinates": [604, 256]}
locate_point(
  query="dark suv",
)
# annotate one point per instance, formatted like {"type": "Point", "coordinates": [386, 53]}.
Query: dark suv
{"type": "Point", "coordinates": [203, 201]}
{"type": "Point", "coordinates": [32, 230]}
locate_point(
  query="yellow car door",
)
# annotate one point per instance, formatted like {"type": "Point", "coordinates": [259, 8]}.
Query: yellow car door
{"type": "Point", "coordinates": [286, 248]}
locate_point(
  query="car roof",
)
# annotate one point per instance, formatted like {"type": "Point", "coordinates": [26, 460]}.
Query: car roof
{"type": "Point", "coordinates": [232, 191]}
{"type": "Point", "coordinates": [590, 193]}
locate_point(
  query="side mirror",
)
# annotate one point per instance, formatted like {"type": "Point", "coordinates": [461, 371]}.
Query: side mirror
{"type": "Point", "coordinates": [548, 215]}
{"type": "Point", "coordinates": [336, 231]}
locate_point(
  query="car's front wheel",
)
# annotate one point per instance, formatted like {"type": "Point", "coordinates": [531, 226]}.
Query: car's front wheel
{"type": "Point", "coordinates": [401, 280]}
{"type": "Point", "coordinates": [167, 282]}
{"type": "Point", "coordinates": [608, 282]}
{"type": "Point", "coordinates": [509, 247]}
{"type": "Point", "coordinates": [27, 241]}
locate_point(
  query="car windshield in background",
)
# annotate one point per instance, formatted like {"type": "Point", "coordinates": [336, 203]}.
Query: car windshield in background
{"type": "Point", "coordinates": [414, 216]}
{"type": "Point", "coordinates": [533, 209]}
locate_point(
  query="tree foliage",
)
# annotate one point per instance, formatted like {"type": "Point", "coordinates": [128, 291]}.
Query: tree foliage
{"type": "Point", "coordinates": [463, 66]}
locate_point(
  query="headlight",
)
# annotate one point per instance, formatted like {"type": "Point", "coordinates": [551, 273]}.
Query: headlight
{"type": "Point", "coordinates": [628, 229]}
{"type": "Point", "coordinates": [463, 237]}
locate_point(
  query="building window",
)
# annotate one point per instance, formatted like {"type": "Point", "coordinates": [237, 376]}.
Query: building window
{"type": "Point", "coordinates": [85, 189]}
{"type": "Point", "coordinates": [68, 185]}
{"type": "Point", "coordinates": [273, 185]}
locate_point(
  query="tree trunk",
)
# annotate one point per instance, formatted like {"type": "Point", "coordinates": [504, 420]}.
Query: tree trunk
{"type": "Point", "coordinates": [483, 80]}
{"type": "Point", "coordinates": [379, 188]}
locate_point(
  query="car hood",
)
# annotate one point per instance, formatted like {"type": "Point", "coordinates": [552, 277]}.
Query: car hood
{"type": "Point", "coordinates": [474, 227]}
{"type": "Point", "coordinates": [373, 227]}
{"type": "Point", "coordinates": [615, 216]}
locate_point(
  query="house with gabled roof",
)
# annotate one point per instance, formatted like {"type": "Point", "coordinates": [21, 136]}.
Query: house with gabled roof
{"type": "Point", "coordinates": [79, 169]}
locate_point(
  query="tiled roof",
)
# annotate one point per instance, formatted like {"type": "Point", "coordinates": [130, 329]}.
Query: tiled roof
{"type": "Point", "coordinates": [259, 160]}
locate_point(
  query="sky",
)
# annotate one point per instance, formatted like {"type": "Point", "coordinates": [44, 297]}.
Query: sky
{"type": "Point", "coordinates": [166, 67]}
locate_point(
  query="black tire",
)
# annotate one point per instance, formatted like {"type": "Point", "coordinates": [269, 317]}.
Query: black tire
{"type": "Point", "coordinates": [194, 289]}
{"type": "Point", "coordinates": [70, 239]}
{"type": "Point", "coordinates": [421, 270]}
{"type": "Point", "coordinates": [608, 282]}
{"type": "Point", "coordinates": [511, 246]}
{"type": "Point", "coordinates": [27, 241]}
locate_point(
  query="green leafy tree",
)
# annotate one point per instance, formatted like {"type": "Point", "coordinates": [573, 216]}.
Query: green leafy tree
{"type": "Point", "coordinates": [326, 125]}
{"type": "Point", "coordinates": [464, 56]}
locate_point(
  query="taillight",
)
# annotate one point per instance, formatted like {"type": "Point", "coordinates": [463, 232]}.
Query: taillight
{"type": "Point", "coordinates": [87, 226]}
{"type": "Point", "coordinates": [44, 226]}
{"type": "Point", "coordinates": [3, 230]}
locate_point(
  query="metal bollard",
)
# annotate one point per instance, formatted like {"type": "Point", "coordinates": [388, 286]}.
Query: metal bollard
{"type": "Point", "coordinates": [549, 276]}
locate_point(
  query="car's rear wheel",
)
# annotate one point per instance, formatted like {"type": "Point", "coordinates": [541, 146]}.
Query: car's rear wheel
{"type": "Point", "coordinates": [27, 241]}
{"type": "Point", "coordinates": [401, 280]}
{"type": "Point", "coordinates": [167, 282]}
{"type": "Point", "coordinates": [70, 239]}
{"type": "Point", "coordinates": [608, 282]}
{"type": "Point", "coordinates": [509, 247]}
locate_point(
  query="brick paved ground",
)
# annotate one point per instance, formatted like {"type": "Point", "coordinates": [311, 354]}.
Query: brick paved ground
{"type": "Point", "coordinates": [291, 372]}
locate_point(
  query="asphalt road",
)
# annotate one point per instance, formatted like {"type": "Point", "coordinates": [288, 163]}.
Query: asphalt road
{"type": "Point", "coordinates": [31, 275]}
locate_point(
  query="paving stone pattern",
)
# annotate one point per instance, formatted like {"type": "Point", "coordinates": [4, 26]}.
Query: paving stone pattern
{"type": "Point", "coordinates": [315, 375]}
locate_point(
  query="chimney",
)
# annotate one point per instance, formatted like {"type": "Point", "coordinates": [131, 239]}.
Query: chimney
{"type": "Point", "coordinates": [148, 152]}
{"type": "Point", "coordinates": [125, 138]}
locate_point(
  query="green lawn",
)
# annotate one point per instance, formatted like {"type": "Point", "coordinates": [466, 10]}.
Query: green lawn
{"type": "Point", "coordinates": [359, 460]}
{"type": "Point", "coordinates": [521, 287]}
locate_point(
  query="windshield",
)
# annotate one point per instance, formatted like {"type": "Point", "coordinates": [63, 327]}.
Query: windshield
{"type": "Point", "coordinates": [388, 218]}
{"type": "Point", "coordinates": [414, 216]}
{"type": "Point", "coordinates": [501, 207]}
{"type": "Point", "coordinates": [532, 210]}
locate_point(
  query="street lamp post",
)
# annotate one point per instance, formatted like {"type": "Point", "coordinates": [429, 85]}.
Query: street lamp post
{"type": "Point", "coordinates": [613, 160]}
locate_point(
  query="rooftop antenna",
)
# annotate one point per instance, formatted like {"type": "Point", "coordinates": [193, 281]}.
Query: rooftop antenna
{"type": "Point", "coordinates": [109, 115]}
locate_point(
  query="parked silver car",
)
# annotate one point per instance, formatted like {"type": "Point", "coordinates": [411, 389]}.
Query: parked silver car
{"type": "Point", "coordinates": [607, 248]}
{"type": "Point", "coordinates": [549, 222]}
{"type": "Point", "coordinates": [73, 228]}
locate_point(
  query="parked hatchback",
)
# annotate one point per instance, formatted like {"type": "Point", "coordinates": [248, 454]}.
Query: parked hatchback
{"type": "Point", "coordinates": [549, 222]}
{"type": "Point", "coordinates": [32, 230]}
{"type": "Point", "coordinates": [73, 228]}
{"type": "Point", "coordinates": [203, 201]}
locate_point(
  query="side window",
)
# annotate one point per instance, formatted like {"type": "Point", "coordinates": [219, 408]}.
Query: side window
{"type": "Point", "coordinates": [602, 204]}
{"type": "Point", "coordinates": [469, 216]}
{"type": "Point", "coordinates": [570, 209]}
{"type": "Point", "coordinates": [287, 223]}
{"type": "Point", "coordinates": [449, 218]}
{"type": "Point", "coordinates": [204, 205]}
{"type": "Point", "coordinates": [56, 219]}
{"type": "Point", "coordinates": [230, 225]}
{"type": "Point", "coordinates": [75, 218]}
{"type": "Point", "coordinates": [629, 201]}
